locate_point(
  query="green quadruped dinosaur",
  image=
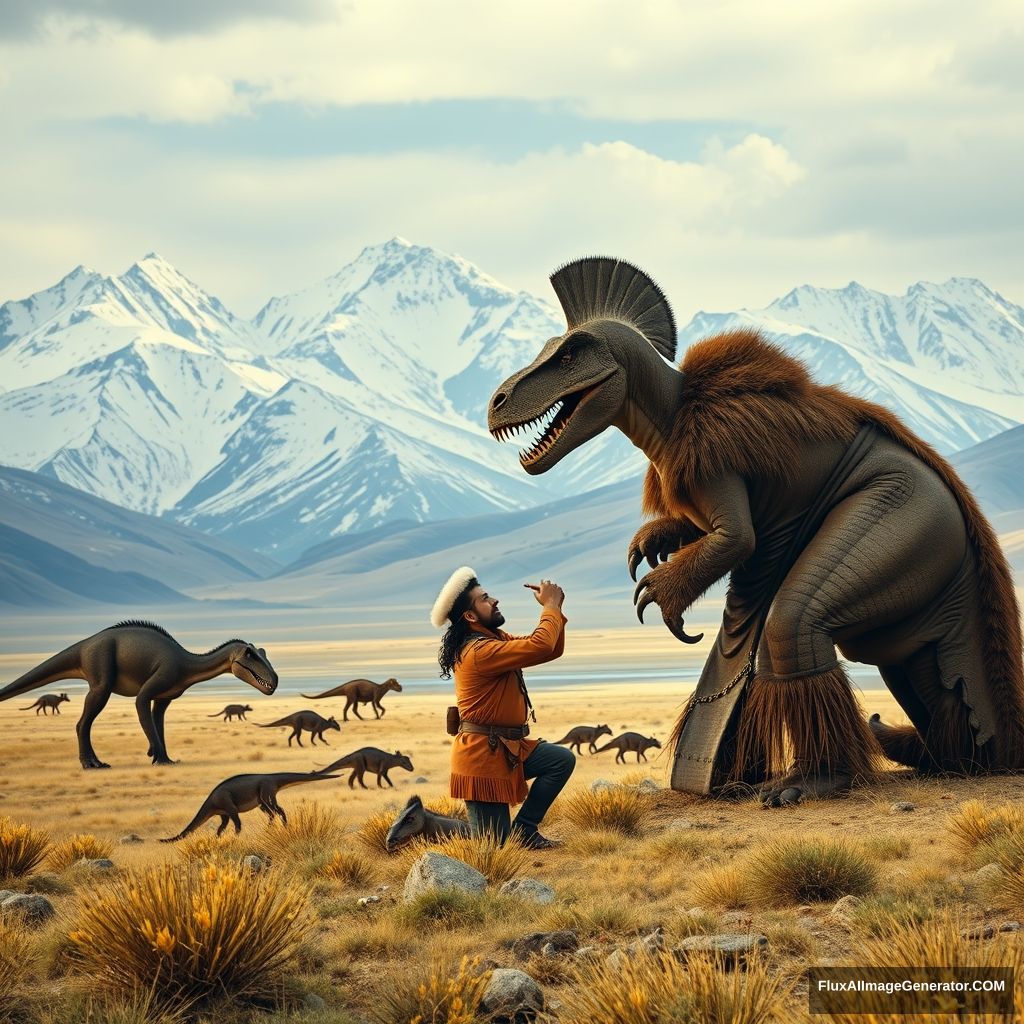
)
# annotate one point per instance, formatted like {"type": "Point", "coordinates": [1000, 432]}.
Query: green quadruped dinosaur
{"type": "Point", "coordinates": [837, 527]}
{"type": "Point", "coordinates": [141, 660]}
{"type": "Point", "coordinates": [243, 793]}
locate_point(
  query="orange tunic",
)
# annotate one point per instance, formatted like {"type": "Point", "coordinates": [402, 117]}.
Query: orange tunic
{"type": "Point", "coordinates": [487, 692]}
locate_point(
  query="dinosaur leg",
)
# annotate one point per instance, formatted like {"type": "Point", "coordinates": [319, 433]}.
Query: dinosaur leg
{"type": "Point", "coordinates": [344, 714]}
{"type": "Point", "coordinates": [224, 819]}
{"type": "Point", "coordinates": [619, 759]}
{"type": "Point", "coordinates": [380, 708]}
{"type": "Point", "coordinates": [355, 711]}
{"type": "Point", "coordinates": [145, 705]}
{"type": "Point", "coordinates": [640, 754]}
{"type": "Point", "coordinates": [95, 701]}
{"type": "Point", "coordinates": [159, 710]}
{"type": "Point", "coordinates": [360, 772]}
{"type": "Point", "coordinates": [313, 737]}
{"type": "Point", "coordinates": [872, 564]}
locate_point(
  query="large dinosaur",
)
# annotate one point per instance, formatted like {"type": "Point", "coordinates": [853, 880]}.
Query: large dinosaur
{"type": "Point", "coordinates": [243, 793]}
{"type": "Point", "coordinates": [838, 526]}
{"type": "Point", "coordinates": [359, 691]}
{"type": "Point", "coordinates": [141, 660]}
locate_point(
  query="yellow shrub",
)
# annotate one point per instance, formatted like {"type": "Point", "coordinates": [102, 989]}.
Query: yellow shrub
{"type": "Point", "coordinates": [495, 862]}
{"type": "Point", "coordinates": [205, 845]}
{"type": "Point", "coordinates": [618, 809]}
{"type": "Point", "coordinates": [974, 823]}
{"type": "Point", "coordinates": [72, 849]}
{"type": "Point", "coordinates": [445, 995]}
{"type": "Point", "coordinates": [190, 931]}
{"type": "Point", "coordinates": [15, 959]}
{"type": "Point", "coordinates": [349, 867]}
{"type": "Point", "coordinates": [808, 870]}
{"type": "Point", "coordinates": [311, 830]}
{"type": "Point", "coordinates": [21, 848]}
{"type": "Point", "coordinates": [374, 830]}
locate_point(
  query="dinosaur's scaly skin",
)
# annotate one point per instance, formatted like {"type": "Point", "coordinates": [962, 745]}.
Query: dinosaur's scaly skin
{"type": "Point", "coordinates": [141, 660]}
{"type": "Point", "coordinates": [837, 526]}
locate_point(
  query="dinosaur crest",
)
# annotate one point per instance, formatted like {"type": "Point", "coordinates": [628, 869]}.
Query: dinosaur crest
{"type": "Point", "coordinates": [599, 287]}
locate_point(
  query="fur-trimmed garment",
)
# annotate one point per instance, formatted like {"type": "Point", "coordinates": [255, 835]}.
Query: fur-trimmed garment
{"type": "Point", "coordinates": [841, 528]}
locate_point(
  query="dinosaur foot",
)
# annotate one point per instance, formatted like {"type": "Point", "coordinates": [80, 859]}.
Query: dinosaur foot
{"type": "Point", "coordinates": [163, 760]}
{"type": "Point", "coordinates": [797, 783]}
{"type": "Point", "coordinates": [93, 762]}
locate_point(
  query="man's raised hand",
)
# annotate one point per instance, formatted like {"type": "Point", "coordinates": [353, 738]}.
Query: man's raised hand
{"type": "Point", "coordinates": [546, 593]}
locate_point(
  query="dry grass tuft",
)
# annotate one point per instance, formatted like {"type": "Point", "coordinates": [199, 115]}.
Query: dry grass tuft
{"type": "Point", "coordinates": [189, 932]}
{"type": "Point", "coordinates": [206, 845]}
{"type": "Point", "coordinates": [21, 848]}
{"type": "Point", "coordinates": [622, 810]}
{"type": "Point", "coordinates": [660, 990]}
{"type": "Point", "coordinates": [16, 950]}
{"type": "Point", "coordinates": [722, 887]}
{"type": "Point", "coordinates": [312, 830]}
{"type": "Point", "coordinates": [444, 994]}
{"type": "Point", "coordinates": [495, 862]}
{"type": "Point", "coordinates": [69, 851]}
{"type": "Point", "coordinates": [374, 830]}
{"type": "Point", "coordinates": [595, 917]}
{"type": "Point", "coordinates": [974, 824]}
{"type": "Point", "coordinates": [937, 942]}
{"type": "Point", "coordinates": [350, 867]}
{"type": "Point", "coordinates": [447, 806]}
{"type": "Point", "coordinates": [808, 870]}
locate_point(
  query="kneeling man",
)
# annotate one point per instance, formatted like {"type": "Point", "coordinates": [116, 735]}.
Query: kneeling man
{"type": "Point", "coordinates": [491, 755]}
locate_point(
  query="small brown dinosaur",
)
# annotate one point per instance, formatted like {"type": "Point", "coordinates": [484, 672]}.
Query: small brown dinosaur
{"type": "Point", "coordinates": [630, 741]}
{"type": "Point", "coordinates": [243, 793]}
{"type": "Point", "coordinates": [308, 720]}
{"type": "Point", "coordinates": [48, 700]}
{"type": "Point", "coordinates": [360, 691]}
{"type": "Point", "coordinates": [141, 660]}
{"type": "Point", "coordinates": [371, 759]}
{"type": "Point", "coordinates": [416, 820]}
{"type": "Point", "coordinates": [588, 734]}
{"type": "Point", "coordinates": [231, 711]}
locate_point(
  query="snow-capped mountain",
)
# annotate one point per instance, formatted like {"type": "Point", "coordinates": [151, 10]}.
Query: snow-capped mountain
{"type": "Point", "coordinates": [948, 358]}
{"type": "Point", "coordinates": [361, 400]}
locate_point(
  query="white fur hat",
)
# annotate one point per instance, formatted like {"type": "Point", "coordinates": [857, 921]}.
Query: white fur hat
{"type": "Point", "coordinates": [450, 593]}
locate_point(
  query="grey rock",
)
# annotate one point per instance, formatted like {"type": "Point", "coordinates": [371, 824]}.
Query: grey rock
{"type": "Point", "coordinates": [842, 909]}
{"type": "Point", "coordinates": [679, 825]}
{"type": "Point", "coordinates": [365, 901]}
{"type": "Point", "coordinates": [1010, 926]}
{"type": "Point", "coordinates": [512, 995]}
{"type": "Point", "coordinates": [737, 919]}
{"type": "Point", "coordinates": [45, 882]}
{"type": "Point", "coordinates": [311, 1001]}
{"type": "Point", "coordinates": [421, 779]}
{"type": "Point", "coordinates": [598, 784]}
{"type": "Point", "coordinates": [96, 864]}
{"type": "Point", "coordinates": [902, 807]}
{"type": "Point", "coordinates": [34, 910]}
{"type": "Point", "coordinates": [132, 837]}
{"type": "Point", "coordinates": [988, 874]}
{"type": "Point", "coordinates": [5, 893]}
{"type": "Point", "coordinates": [647, 786]}
{"type": "Point", "coordinates": [587, 953]}
{"type": "Point", "coordinates": [734, 948]}
{"type": "Point", "coordinates": [536, 942]}
{"type": "Point", "coordinates": [648, 945]}
{"type": "Point", "coordinates": [529, 889]}
{"type": "Point", "coordinates": [435, 871]}
{"type": "Point", "coordinates": [255, 863]}
{"type": "Point", "coordinates": [985, 931]}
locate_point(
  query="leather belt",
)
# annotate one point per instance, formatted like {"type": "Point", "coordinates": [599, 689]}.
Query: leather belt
{"type": "Point", "coordinates": [505, 732]}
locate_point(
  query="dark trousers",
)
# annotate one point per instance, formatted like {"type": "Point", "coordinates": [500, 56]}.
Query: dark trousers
{"type": "Point", "coordinates": [550, 767]}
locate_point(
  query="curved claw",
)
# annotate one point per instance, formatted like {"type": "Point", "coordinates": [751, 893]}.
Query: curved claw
{"type": "Point", "coordinates": [639, 587]}
{"type": "Point", "coordinates": [635, 558]}
{"type": "Point", "coordinates": [647, 599]}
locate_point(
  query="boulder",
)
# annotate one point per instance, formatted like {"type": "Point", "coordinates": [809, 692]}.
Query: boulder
{"type": "Point", "coordinates": [647, 786]}
{"type": "Point", "coordinates": [512, 996]}
{"type": "Point", "coordinates": [1010, 926]}
{"type": "Point", "coordinates": [436, 871]}
{"type": "Point", "coordinates": [34, 910]}
{"type": "Point", "coordinates": [989, 874]}
{"type": "Point", "coordinates": [255, 863]}
{"type": "Point", "coordinates": [842, 909]}
{"type": "Point", "coordinates": [649, 944]}
{"type": "Point", "coordinates": [529, 889]}
{"type": "Point", "coordinates": [733, 948]}
{"type": "Point", "coordinates": [982, 931]}
{"type": "Point", "coordinates": [537, 942]}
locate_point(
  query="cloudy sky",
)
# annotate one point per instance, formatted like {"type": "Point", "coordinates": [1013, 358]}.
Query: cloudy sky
{"type": "Point", "coordinates": [733, 148]}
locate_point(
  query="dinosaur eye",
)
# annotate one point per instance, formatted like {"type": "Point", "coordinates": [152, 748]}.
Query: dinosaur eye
{"type": "Point", "coordinates": [567, 357]}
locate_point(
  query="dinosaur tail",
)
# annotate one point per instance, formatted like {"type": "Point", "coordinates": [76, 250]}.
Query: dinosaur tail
{"type": "Point", "coordinates": [297, 778]}
{"type": "Point", "coordinates": [204, 814]}
{"type": "Point", "coordinates": [607, 746]}
{"type": "Point", "coordinates": [30, 707]}
{"type": "Point", "coordinates": [219, 713]}
{"type": "Point", "coordinates": [65, 665]}
{"type": "Point", "coordinates": [567, 738]}
{"type": "Point", "coordinates": [271, 725]}
{"type": "Point", "coordinates": [348, 761]}
{"type": "Point", "coordinates": [318, 696]}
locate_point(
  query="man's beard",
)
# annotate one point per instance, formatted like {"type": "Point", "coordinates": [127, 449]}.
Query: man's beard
{"type": "Point", "coordinates": [497, 619]}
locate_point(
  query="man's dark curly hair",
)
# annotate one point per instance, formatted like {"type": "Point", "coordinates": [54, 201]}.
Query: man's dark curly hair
{"type": "Point", "coordinates": [457, 633]}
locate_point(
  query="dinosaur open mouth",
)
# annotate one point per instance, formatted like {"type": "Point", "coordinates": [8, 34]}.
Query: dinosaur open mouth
{"type": "Point", "coordinates": [264, 684]}
{"type": "Point", "coordinates": [551, 423]}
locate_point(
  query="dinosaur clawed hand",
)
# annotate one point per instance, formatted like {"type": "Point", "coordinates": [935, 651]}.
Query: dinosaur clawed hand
{"type": "Point", "coordinates": [658, 539]}
{"type": "Point", "coordinates": [661, 586]}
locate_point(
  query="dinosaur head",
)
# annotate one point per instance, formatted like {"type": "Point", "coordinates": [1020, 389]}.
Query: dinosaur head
{"type": "Point", "coordinates": [410, 822]}
{"type": "Point", "coordinates": [653, 742]}
{"type": "Point", "coordinates": [64, 697]}
{"type": "Point", "coordinates": [332, 723]}
{"type": "Point", "coordinates": [393, 684]}
{"type": "Point", "coordinates": [618, 319]}
{"type": "Point", "coordinates": [403, 761]}
{"type": "Point", "coordinates": [250, 664]}
{"type": "Point", "coordinates": [602, 730]}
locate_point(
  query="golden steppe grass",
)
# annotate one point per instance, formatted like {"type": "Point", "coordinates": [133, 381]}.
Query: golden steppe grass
{"type": "Point", "coordinates": [690, 866]}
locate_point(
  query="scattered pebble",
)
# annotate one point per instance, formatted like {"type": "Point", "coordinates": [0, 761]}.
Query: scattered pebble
{"type": "Point", "coordinates": [902, 807]}
{"type": "Point", "coordinates": [985, 931]}
{"type": "Point", "coordinates": [255, 863]}
{"type": "Point", "coordinates": [365, 901]}
{"type": "Point", "coordinates": [529, 889]}
{"type": "Point", "coordinates": [132, 837]}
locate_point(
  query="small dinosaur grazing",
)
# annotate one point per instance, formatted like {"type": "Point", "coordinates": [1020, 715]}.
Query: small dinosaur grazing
{"type": "Point", "coordinates": [308, 720]}
{"type": "Point", "coordinates": [588, 734]}
{"type": "Point", "coordinates": [371, 759]}
{"type": "Point", "coordinates": [416, 820]}
{"type": "Point", "coordinates": [141, 660]}
{"type": "Point", "coordinates": [48, 700]}
{"type": "Point", "coordinates": [243, 793]}
{"type": "Point", "coordinates": [359, 691]}
{"type": "Point", "coordinates": [231, 711]}
{"type": "Point", "coordinates": [630, 741]}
